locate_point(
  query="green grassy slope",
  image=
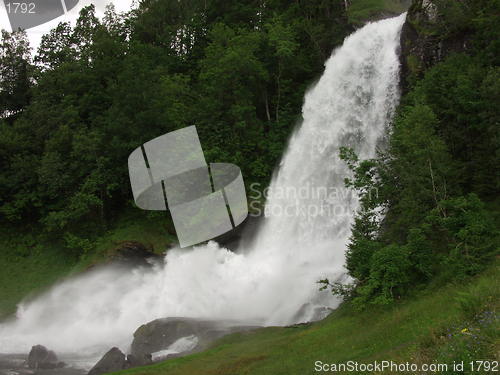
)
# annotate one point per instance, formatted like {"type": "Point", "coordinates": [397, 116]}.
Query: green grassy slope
{"type": "Point", "coordinates": [29, 263]}
{"type": "Point", "coordinates": [27, 268]}
{"type": "Point", "coordinates": [444, 325]}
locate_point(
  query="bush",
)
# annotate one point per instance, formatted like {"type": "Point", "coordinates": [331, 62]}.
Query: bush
{"type": "Point", "coordinates": [473, 237]}
{"type": "Point", "coordinates": [389, 276]}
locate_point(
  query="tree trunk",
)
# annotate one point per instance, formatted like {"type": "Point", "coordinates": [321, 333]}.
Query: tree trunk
{"type": "Point", "coordinates": [279, 92]}
{"type": "Point", "coordinates": [434, 190]}
{"type": "Point", "coordinates": [268, 114]}
{"type": "Point", "coordinates": [102, 211]}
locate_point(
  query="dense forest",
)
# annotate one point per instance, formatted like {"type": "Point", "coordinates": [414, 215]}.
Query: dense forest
{"type": "Point", "coordinates": [71, 113]}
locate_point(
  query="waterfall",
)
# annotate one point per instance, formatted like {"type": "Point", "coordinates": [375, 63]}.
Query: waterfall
{"type": "Point", "coordinates": [272, 281]}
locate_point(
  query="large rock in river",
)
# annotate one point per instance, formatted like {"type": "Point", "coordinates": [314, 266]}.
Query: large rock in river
{"type": "Point", "coordinates": [160, 334]}
{"type": "Point", "coordinates": [113, 360]}
{"type": "Point", "coordinates": [42, 358]}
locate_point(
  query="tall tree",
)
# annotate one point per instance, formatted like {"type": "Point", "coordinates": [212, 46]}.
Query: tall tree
{"type": "Point", "coordinates": [15, 72]}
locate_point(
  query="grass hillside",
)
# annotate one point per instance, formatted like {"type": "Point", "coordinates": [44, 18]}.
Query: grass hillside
{"type": "Point", "coordinates": [29, 263]}
{"type": "Point", "coordinates": [452, 323]}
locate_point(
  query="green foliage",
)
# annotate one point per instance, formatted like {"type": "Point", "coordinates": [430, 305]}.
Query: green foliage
{"type": "Point", "coordinates": [16, 72]}
{"type": "Point", "coordinates": [80, 245]}
{"type": "Point", "coordinates": [421, 171]}
{"type": "Point", "coordinates": [471, 233]}
{"type": "Point", "coordinates": [94, 92]}
{"type": "Point", "coordinates": [388, 276]}
{"type": "Point", "coordinates": [359, 255]}
{"type": "Point", "coordinates": [462, 93]}
{"type": "Point", "coordinates": [423, 218]}
{"type": "Point", "coordinates": [338, 289]}
{"type": "Point", "coordinates": [425, 233]}
{"type": "Point", "coordinates": [421, 251]}
{"type": "Point", "coordinates": [469, 303]}
{"type": "Point", "coordinates": [475, 336]}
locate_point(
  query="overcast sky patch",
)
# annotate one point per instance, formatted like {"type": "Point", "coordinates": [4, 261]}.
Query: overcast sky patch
{"type": "Point", "coordinates": [35, 34]}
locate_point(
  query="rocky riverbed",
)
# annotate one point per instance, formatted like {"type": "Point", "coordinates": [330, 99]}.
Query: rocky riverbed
{"type": "Point", "coordinates": [17, 364]}
{"type": "Point", "coordinates": [155, 341]}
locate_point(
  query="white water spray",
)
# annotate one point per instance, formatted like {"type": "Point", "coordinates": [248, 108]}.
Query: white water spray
{"type": "Point", "coordinates": [273, 281]}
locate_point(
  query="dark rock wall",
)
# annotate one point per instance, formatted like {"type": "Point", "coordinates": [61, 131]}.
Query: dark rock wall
{"type": "Point", "coordinates": [426, 40]}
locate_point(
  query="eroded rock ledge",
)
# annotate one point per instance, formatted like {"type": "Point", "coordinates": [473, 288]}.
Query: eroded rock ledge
{"type": "Point", "coordinates": [428, 38]}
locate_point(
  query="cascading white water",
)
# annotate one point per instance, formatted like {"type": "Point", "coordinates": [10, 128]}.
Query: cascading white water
{"type": "Point", "coordinates": [302, 239]}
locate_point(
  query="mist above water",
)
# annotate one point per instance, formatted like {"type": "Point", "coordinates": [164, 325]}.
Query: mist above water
{"type": "Point", "coordinates": [272, 281]}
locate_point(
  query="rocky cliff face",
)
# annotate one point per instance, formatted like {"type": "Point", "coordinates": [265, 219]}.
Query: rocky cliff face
{"type": "Point", "coordinates": [429, 36]}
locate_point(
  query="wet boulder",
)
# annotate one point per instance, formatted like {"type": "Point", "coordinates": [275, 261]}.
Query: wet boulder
{"type": "Point", "coordinates": [138, 360]}
{"type": "Point", "coordinates": [113, 360]}
{"type": "Point", "coordinates": [42, 358]}
{"type": "Point", "coordinates": [160, 335]}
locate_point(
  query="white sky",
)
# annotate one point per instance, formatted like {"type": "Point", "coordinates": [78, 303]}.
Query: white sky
{"type": "Point", "coordinates": [35, 33]}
